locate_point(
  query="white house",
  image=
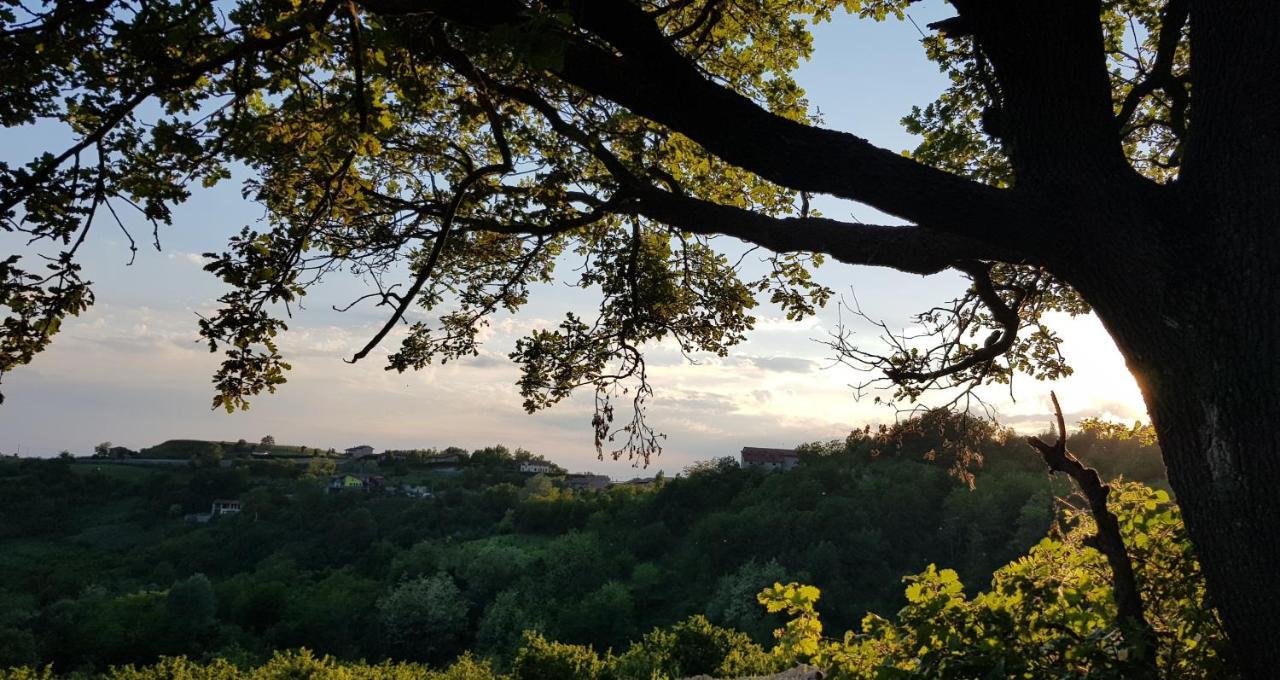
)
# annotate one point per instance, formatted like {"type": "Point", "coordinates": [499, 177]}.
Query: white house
{"type": "Point", "coordinates": [225, 506]}
{"type": "Point", "coordinates": [413, 491]}
{"type": "Point", "coordinates": [362, 451]}
{"type": "Point", "coordinates": [535, 467]}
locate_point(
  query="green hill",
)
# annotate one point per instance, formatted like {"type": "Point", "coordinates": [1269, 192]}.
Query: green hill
{"type": "Point", "coordinates": [189, 448]}
{"type": "Point", "coordinates": [100, 569]}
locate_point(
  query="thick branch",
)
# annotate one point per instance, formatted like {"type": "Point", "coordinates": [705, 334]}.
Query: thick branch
{"type": "Point", "coordinates": [906, 248]}
{"type": "Point", "coordinates": [1172, 21]}
{"type": "Point", "coordinates": [1056, 113]}
{"type": "Point", "coordinates": [910, 249]}
{"type": "Point", "coordinates": [1235, 109]}
{"type": "Point", "coordinates": [655, 81]}
{"type": "Point", "coordinates": [1108, 541]}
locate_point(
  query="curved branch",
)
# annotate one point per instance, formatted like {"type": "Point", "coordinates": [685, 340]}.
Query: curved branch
{"type": "Point", "coordinates": [1173, 19]}
{"type": "Point", "coordinates": [183, 78]}
{"type": "Point", "coordinates": [909, 249]}
{"type": "Point", "coordinates": [424, 274]}
{"type": "Point", "coordinates": [652, 79]}
{"type": "Point", "coordinates": [1005, 314]}
{"type": "Point", "coordinates": [1108, 540]}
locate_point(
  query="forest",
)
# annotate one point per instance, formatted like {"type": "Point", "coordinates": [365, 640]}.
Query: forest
{"type": "Point", "coordinates": [502, 572]}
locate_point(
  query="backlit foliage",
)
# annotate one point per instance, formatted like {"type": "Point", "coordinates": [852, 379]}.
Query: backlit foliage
{"type": "Point", "coordinates": [451, 170]}
{"type": "Point", "coordinates": [1046, 615]}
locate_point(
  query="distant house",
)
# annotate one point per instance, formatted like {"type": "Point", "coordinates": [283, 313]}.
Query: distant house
{"type": "Point", "coordinates": [769, 459]}
{"type": "Point", "coordinates": [586, 482]}
{"type": "Point", "coordinates": [345, 483]}
{"type": "Point", "coordinates": [414, 491]}
{"type": "Point", "coordinates": [225, 506]}
{"type": "Point", "coordinates": [362, 451]}
{"type": "Point", "coordinates": [340, 483]}
{"type": "Point", "coordinates": [535, 467]}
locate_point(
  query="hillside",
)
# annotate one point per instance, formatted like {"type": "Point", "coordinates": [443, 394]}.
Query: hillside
{"type": "Point", "coordinates": [198, 448]}
{"type": "Point", "coordinates": [99, 568]}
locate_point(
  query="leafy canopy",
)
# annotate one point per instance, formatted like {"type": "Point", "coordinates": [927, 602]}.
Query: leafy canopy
{"type": "Point", "coordinates": [441, 152]}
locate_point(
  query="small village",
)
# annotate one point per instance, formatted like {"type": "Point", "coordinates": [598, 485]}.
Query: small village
{"type": "Point", "coordinates": [359, 469]}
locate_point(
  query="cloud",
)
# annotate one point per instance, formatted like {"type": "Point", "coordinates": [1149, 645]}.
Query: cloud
{"type": "Point", "coordinates": [1042, 420]}
{"type": "Point", "coordinates": [487, 360]}
{"type": "Point", "coordinates": [136, 376]}
{"type": "Point", "coordinates": [192, 258]}
{"type": "Point", "coordinates": [782, 364]}
{"type": "Point", "coordinates": [780, 324]}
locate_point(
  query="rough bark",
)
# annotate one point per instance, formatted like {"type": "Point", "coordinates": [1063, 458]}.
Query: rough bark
{"type": "Point", "coordinates": [1201, 334]}
{"type": "Point", "coordinates": [1185, 276]}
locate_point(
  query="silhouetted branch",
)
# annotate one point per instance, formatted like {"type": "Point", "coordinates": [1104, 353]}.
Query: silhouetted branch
{"type": "Point", "coordinates": [1108, 540]}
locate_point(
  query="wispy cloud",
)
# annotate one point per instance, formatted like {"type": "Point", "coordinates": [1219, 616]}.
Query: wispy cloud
{"type": "Point", "coordinates": [190, 258]}
{"type": "Point", "coordinates": [782, 364]}
{"type": "Point", "coordinates": [136, 376]}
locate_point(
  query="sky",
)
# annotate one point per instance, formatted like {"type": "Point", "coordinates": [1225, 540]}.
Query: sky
{"type": "Point", "coordinates": [133, 372]}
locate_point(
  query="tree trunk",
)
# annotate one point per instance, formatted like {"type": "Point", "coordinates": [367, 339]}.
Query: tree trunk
{"type": "Point", "coordinates": [1203, 340]}
{"type": "Point", "coordinates": [1219, 437]}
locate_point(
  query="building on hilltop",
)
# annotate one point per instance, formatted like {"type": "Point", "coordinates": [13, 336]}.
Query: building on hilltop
{"type": "Point", "coordinates": [361, 451]}
{"type": "Point", "coordinates": [587, 482]}
{"type": "Point", "coordinates": [535, 467]}
{"type": "Point", "coordinates": [769, 459]}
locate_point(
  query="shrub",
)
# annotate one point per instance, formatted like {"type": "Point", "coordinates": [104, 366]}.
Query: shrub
{"type": "Point", "coordinates": [540, 659]}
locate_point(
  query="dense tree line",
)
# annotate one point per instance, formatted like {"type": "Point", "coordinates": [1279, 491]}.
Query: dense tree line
{"type": "Point", "coordinates": [1048, 614]}
{"type": "Point", "coordinates": [98, 567]}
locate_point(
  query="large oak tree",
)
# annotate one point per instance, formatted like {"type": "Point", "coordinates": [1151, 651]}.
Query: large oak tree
{"type": "Point", "coordinates": [1121, 156]}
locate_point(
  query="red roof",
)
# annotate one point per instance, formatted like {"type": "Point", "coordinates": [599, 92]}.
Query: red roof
{"type": "Point", "coordinates": [752, 454]}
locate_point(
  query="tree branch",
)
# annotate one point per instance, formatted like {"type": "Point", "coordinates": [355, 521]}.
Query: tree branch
{"type": "Point", "coordinates": [652, 79]}
{"type": "Point", "coordinates": [446, 223]}
{"type": "Point", "coordinates": [909, 249]}
{"type": "Point", "coordinates": [1107, 540]}
{"type": "Point", "coordinates": [1233, 54]}
{"type": "Point", "coordinates": [24, 184]}
{"type": "Point", "coordinates": [1051, 66]}
{"type": "Point", "coordinates": [1172, 20]}
{"type": "Point", "coordinates": [1006, 315]}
